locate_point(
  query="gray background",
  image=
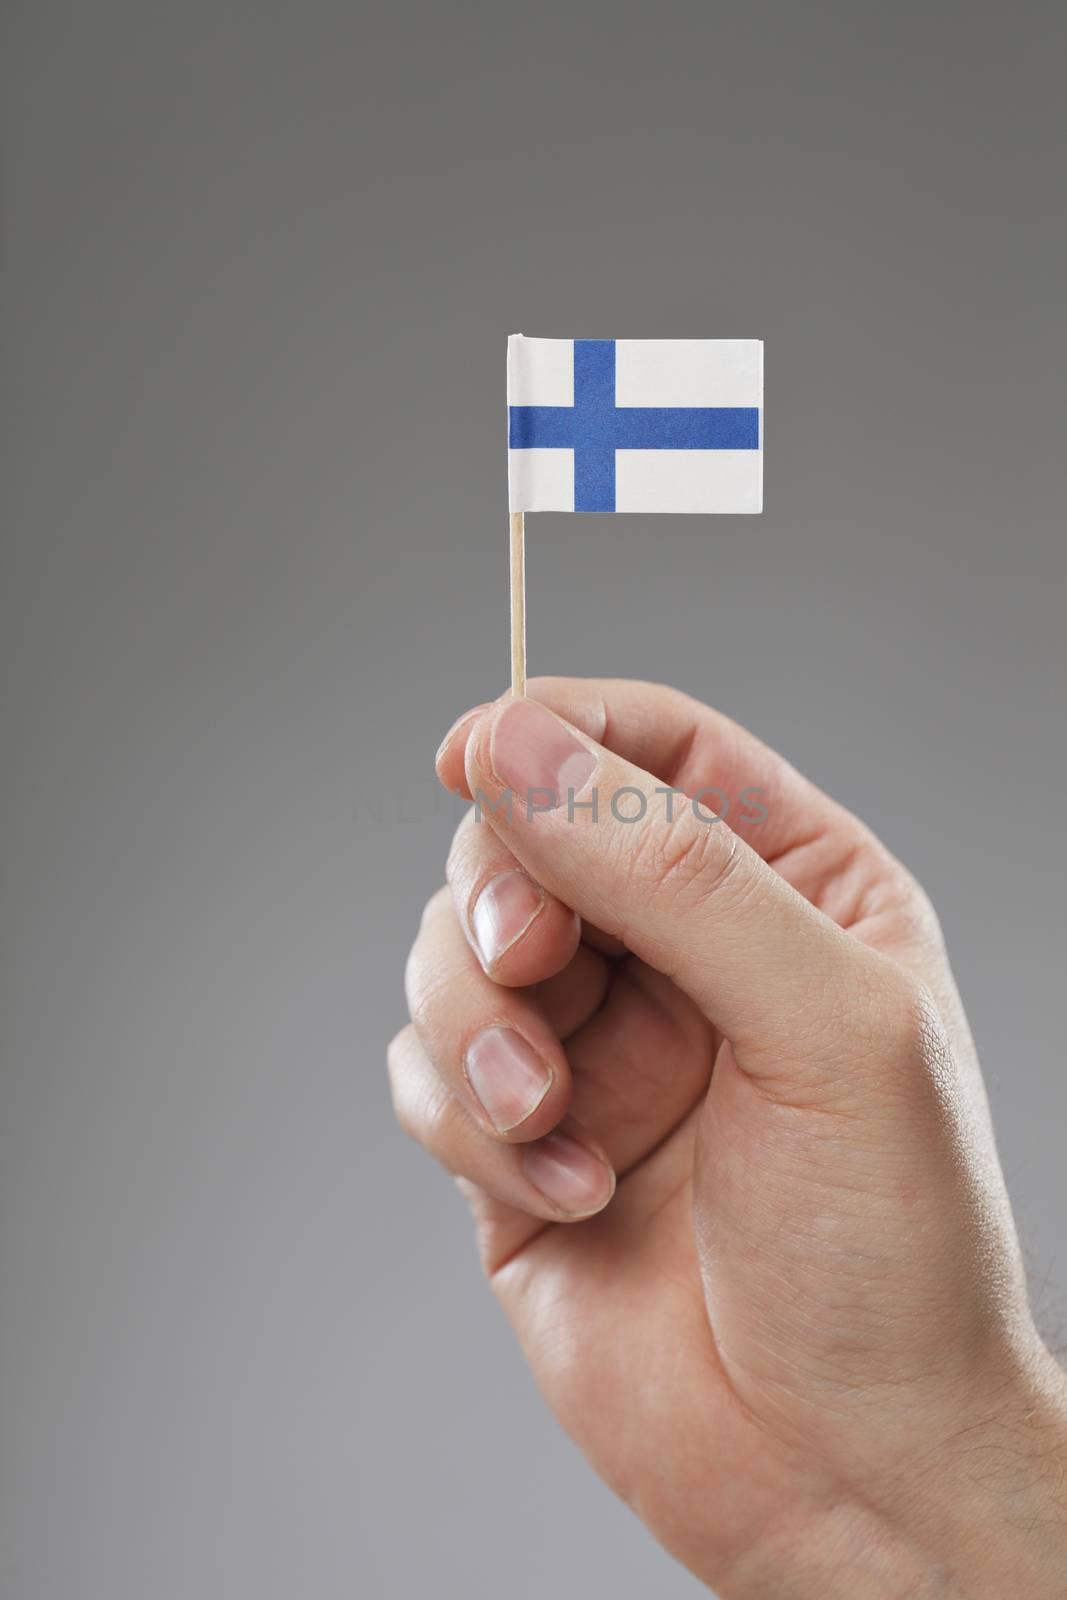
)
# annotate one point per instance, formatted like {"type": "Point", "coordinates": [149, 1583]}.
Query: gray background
{"type": "Point", "coordinates": [259, 263]}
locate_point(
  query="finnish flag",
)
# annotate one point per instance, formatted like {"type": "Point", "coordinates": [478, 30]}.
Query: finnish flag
{"type": "Point", "coordinates": [635, 424]}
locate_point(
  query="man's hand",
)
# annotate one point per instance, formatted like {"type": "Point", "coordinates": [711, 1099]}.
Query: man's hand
{"type": "Point", "coordinates": [710, 1092]}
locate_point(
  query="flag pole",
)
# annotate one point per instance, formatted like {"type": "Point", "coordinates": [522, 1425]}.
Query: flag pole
{"type": "Point", "coordinates": [518, 604]}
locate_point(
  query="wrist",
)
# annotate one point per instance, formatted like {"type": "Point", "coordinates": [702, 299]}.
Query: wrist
{"type": "Point", "coordinates": [980, 1515]}
{"type": "Point", "coordinates": [991, 1500]}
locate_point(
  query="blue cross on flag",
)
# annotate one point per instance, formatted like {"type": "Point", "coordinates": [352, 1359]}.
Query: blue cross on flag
{"type": "Point", "coordinates": [635, 424]}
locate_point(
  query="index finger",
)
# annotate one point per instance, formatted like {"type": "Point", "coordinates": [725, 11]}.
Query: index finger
{"type": "Point", "coordinates": [701, 752]}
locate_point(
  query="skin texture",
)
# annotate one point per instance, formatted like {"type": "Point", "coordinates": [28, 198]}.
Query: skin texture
{"type": "Point", "coordinates": [778, 1303]}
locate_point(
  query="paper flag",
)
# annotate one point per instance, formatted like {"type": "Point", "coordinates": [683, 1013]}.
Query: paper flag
{"type": "Point", "coordinates": [635, 424]}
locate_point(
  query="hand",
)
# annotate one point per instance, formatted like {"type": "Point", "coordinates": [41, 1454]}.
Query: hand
{"type": "Point", "coordinates": [711, 1094]}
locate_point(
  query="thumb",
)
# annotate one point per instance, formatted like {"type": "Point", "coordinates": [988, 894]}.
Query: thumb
{"type": "Point", "coordinates": [792, 991]}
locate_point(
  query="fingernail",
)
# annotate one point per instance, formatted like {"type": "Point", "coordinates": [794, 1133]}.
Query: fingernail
{"type": "Point", "coordinates": [467, 717]}
{"type": "Point", "coordinates": [507, 1075]}
{"type": "Point", "coordinates": [503, 912]}
{"type": "Point", "coordinates": [533, 750]}
{"type": "Point", "coordinates": [568, 1175]}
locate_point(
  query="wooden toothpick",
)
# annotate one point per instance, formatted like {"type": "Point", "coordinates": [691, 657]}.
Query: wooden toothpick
{"type": "Point", "coordinates": [518, 604]}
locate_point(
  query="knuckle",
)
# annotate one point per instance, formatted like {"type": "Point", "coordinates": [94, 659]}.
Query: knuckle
{"type": "Point", "coordinates": [892, 888]}
{"type": "Point", "coordinates": [394, 1050]}
{"type": "Point", "coordinates": [910, 1020]}
{"type": "Point", "coordinates": [398, 1062]}
{"type": "Point", "coordinates": [427, 971]}
{"type": "Point", "coordinates": [437, 902]}
{"type": "Point", "coordinates": [432, 1114]}
{"type": "Point", "coordinates": [427, 991]}
{"type": "Point", "coordinates": [422, 1104]}
{"type": "Point", "coordinates": [922, 924]}
{"type": "Point", "coordinates": [688, 865]}
{"type": "Point", "coordinates": [461, 845]}
{"type": "Point", "coordinates": [917, 1050]}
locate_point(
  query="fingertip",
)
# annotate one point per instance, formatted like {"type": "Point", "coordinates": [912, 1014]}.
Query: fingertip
{"type": "Point", "coordinates": [448, 762]}
{"type": "Point", "coordinates": [571, 1171]}
{"type": "Point", "coordinates": [543, 948]}
{"type": "Point", "coordinates": [476, 747]}
{"type": "Point", "coordinates": [522, 746]}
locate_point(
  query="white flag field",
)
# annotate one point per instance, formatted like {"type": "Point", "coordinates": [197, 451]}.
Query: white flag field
{"type": "Point", "coordinates": [635, 424]}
